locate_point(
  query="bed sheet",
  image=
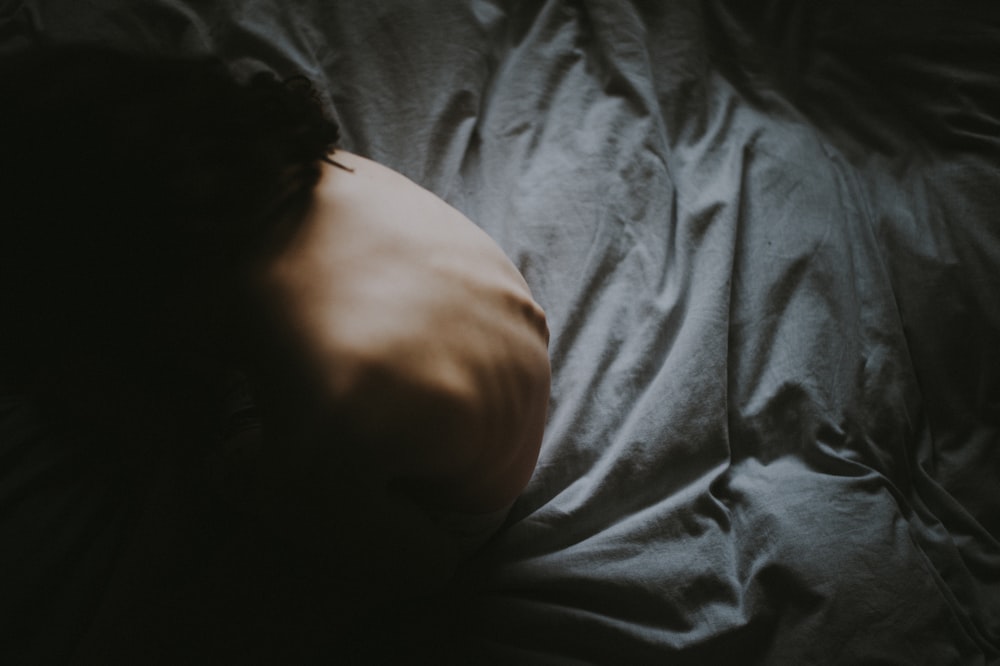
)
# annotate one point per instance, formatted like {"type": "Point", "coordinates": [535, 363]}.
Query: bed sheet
{"type": "Point", "coordinates": [767, 238]}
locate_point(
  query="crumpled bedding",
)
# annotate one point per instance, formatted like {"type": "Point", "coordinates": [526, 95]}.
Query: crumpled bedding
{"type": "Point", "coordinates": [766, 237]}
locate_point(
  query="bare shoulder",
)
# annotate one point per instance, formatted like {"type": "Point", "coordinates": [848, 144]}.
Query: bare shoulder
{"type": "Point", "coordinates": [418, 322]}
{"type": "Point", "coordinates": [380, 264]}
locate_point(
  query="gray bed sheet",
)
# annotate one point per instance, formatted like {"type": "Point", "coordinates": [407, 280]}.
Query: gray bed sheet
{"type": "Point", "coordinates": [767, 237]}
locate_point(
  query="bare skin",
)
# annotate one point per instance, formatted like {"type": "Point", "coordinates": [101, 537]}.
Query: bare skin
{"type": "Point", "coordinates": [413, 326]}
{"type": "Point", "coordinates": [409, 366]}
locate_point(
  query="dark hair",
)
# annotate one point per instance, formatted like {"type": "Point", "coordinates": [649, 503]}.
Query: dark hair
{"type": "Point", "coordinates": [135, 194]}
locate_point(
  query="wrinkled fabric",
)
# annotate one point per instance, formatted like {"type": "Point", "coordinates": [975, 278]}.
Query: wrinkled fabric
{"type": "Point", "coordinates": [766, 237]}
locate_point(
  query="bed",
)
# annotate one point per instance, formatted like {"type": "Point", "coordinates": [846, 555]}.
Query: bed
{"type": "Point", "coordinates": [767, 239]}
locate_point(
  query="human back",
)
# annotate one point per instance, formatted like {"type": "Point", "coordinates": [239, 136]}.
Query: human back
{"type": "Point", "coordinates": [168, 227]}
{"type": "Point", "coordinates": [420, 327]}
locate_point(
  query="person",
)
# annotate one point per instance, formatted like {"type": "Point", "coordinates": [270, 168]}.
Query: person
{"type": "Point", "coordinates": [198, 280]}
